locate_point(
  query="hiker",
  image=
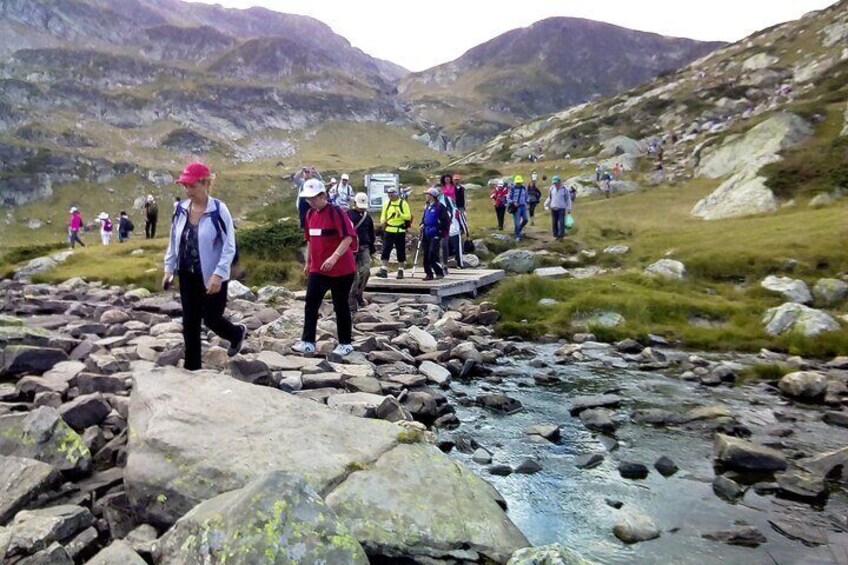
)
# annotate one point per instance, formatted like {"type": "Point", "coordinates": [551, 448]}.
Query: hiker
{"type": "Point", "coordinates": [445, 235]}
{"type": "Point", "coordinates": [125, 226]}
{"type": "Point", "coordinates": [300, 179]}
{"type": "Point", "coordinates": [364, 226]}
{"type": "Point", "coordinates": [105, 228]}
{"type": "Point", "coordinates": [395, 219]}
{"type": "Point", "coordinates": [447, 186]}
{"type": "Point", "coordinates": [329, 266]}
{"type": "Point", "coordinates": [151, 217]}
{"type": "Point", "coordinates": [434, 222]}
{"type": "Point", "coordinates": [559, 203]}
{"type": "Point", "coordinates": [75, 224]}
{"type": "Point", "coordinates": [499, 196]}
{"type": "Point", "coordinates": [460, 193]}
{"type": "Point", "coordinates": [606, 186]}
{"type": "Point", "coordinates": [453, 242]}
{"type": "Point", "coordinates": [598, 171]}
{"type": "Point", "coordinates": [534, 196]}
{"type": "Point", "coordinates": [517, 206]}
{"type": "Point", "coordinates": [344, 193]}
{"type": "Point", "coordinates": [201, 249]}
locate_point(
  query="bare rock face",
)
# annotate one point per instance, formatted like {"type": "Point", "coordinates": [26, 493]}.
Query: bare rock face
{"type": "Point", "coordinates": [740, 195]}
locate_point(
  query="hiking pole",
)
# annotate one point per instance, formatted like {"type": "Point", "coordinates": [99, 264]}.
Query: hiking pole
{"type": "Point", "coordinates": [415, 261]}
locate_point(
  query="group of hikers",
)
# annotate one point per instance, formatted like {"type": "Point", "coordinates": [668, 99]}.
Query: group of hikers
{"type": "Point", "coordinates": [512, 196]}
{"type": "Point", "coordinates": [125, 226]}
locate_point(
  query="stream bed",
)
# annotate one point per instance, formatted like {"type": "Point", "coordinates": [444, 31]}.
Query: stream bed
{"type": "Point", "coordinates": [564, 504]}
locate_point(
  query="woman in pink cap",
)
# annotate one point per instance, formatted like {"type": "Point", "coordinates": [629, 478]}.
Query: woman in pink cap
{"type": "Point", "coordinates": [201, 248]}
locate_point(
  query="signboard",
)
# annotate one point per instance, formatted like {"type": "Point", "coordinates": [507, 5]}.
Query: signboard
{"type": "Point", "coordinates": [375, 187]}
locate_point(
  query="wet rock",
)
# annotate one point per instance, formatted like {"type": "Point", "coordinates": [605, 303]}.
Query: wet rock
{"type": "Point", "coordinates": [632, 470]}
{"type": "Point", "coordinates": [796, 530]}
{"type": "Point", "coordinates": [481, 456]}
{"type": "Point", "coordinates": [804, 385]}
{"type": "Point", "coordinates": [629, 346]}
{"type": "Point", "coordinates": [727, 489]}
{"type": "Point", "coordinates": [655, 417]}
{"type": "Point", "coordinates": [547, 555]}
{"type": "Point", "coordinates": [550, 432]}
{"type": "Point", "coordinates": [665, 466]}
{"type": "Point", "coordinates": [744, 455]}
{"type": "Point", "coordinates": [589, 460]}
{"type": "Point", "coordinates": [802, 484]}
{"type": "Point", "coordinates": [528, 467]}
{"type": "Point", "coordinates": [499, 403]}
{"type": "Point", "coordinates": [598, 420]}
{"type": "Point", "coordinates": [745, 536]}
{"type": "Point", "coordinates": [279, 502]}
{"type": "Point", "coordinates": [500, 470]}
{"type": "Point", "coordinates": [447, 422]}
{"type": "Point", "coordinates": [581, 403]}
{"type": "Point", "coordinates": [612, 503]}
{"type": "Point", "coordinates": [633, 527]}
{"type": "Point", "coordinates": [21, 481]}
{"type": "Point", "coordinates": [835, 418]}
{"type": "Point", "coordinates": [422, 405]}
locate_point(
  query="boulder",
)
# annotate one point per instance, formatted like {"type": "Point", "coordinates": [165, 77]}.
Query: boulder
{"type": "Point", "coordinates": [830, 292]}
{"type": "Point", "coordinates": [606, 319]}
{"type": "Point", "coordinates": [85, 410]}
{"type": "Point", "coordinates": [759, 62]}
{"type": "Point", "coordinates": [22, 480]}
{"type": "Point", "coordinates": [276, 518]}
{"type": "Point", "coordinates": [554, 554]}
{"type": "Point", "coordinates": [426, 342]}
{"type": "Point", "coordinates": [435, 373]}
{"type": "Point", "coordinates": [617, 250]}
{"type": "Point", "coordinates": [20, 359]}
{"type": "Point", "coordinates": [633, 527]}
{"type": "Point", "coordinates": [42, 435]}
{"type": "Point", "coordinates": [792, 317]}
{"type": "Point", "coordinates": [236, 291]}
{"type": "Point", "coordinates": [520, 261]}
{"type": "Point", "coordinates": [34, 530]}
{"type": "Point", "coordinates": [795, 290]}
{"type": "Point", "coordinates": [804, 385]}
{"type": "Point", "coordinates": [581, 403]}
{"type": "Point", "coordinates": [668, 268]}
{"type": "Point", "coordinates": [742, 455]}
{"type": "Point", "coordinates": [118, 553]}
{"type": "Point", "coordinates": [388, 512]}
{"type": "Point", "coordinates": [743, 154]}
{"type": "Point", "coordinates": [619, 145]}
{"type": "Point", "coordinates": [598, 420]}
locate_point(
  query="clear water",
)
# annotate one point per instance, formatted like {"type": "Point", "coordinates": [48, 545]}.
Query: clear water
{"type": "Point", "coordinates": [567, 505]}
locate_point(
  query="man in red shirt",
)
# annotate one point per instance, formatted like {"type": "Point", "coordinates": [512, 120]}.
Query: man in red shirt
{"type": "Point", "coordinates": [329, 266]}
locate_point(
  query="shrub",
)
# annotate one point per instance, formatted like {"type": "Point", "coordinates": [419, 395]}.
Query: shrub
{"type": "Point", "coordinates": [818, 166]}
{"type": "Point", "coordinates": [270, 241]}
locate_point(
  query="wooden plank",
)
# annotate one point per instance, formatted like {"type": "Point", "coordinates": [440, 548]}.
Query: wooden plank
{"type": "Point", "coordinates": [458, 281]}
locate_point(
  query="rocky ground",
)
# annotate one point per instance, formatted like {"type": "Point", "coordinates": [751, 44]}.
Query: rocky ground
{"type": "Point", "coordinates": [109, 453]}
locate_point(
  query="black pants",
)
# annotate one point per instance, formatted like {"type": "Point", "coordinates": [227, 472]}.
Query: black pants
{"type": "Point", "coordinates": [432, 250]}
{"type": "Point", "coordinates": [75, 238]}
{"type": "Point", "coordinates": [396, 241]}
{"type": "Point", "coordinates": [317, 286]}
{"type": "Point", "coordinates": [208, 308]}
{"type": "Point", "coordinates": [302, 209]}
{"type": "Point", "coordinates": [150, 227]}
{"type": "Point", "coordinates": [501, 212]}
{"type": "Point", "coordinates": [532, 207]}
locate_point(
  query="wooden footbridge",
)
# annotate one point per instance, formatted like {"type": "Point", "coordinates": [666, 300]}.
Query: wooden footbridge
{"type": "Point", "coordinates": [456, 282]}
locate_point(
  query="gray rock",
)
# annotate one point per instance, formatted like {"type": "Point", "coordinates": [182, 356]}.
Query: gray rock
{"type": "Point", "coordinates": [34, 530]}
{"type": "Point", "coordinates": [617, 250]}
{"type": "Point", "coordinates": [633, 527]}
{"type": "Point", "coordinates": [804, 385]}
{"type": "Point", "coordinates": [55, 554]}
{"type": "Point", "coordinates": [360, 404]}
{"type": "Point", "coordinates": [425, 341]}
{"type": "Point", "coordinates": [436, 374]}
{"type": "Point", "coordinates": [798, 318]}
{"type": "Point", "coordinates": [742, 455]}
{"type": "Point", "coordinates": [118, 553]}
{"type": "Point", "coordinates": [589, 460]}
{"type": "Point", "coordinates": [84, 411]}
{"type": "Point", "coordinates": [745, 536]}
{"type": "Point", "coordinates": [581, 403]}
{"type": "Point", "coordinates": [276, 518]}
{"type": "Point", "coordinates": [830, 292]}
{"type": "Point", "coordinates": [362, 384]}
{"type": "Point", "coordinates": [668, 268]}
{"type": "Point", "coordinates": [550, 432]}
{"type": "Point", "coordinates": [794, 290]}
{"type": "Point", "coordinates": [500, 470]}
{"type": "Point", "coordinates": [836, 418]}
{"type": "Point", "coordinates": [499, 403]}
{"type": "Point", "coordinates": [237, 291]}
{"type": "Point", "coordinates": [20, 359]}
{"type": "Point", "coordinates": [632, 470]}
{"type": "Point", "coordinates": [392, 411]}
{"type": "Point", "coordinates": [21, 481]}
{"type": "Point", "coordinates": [800, 483]}
{"type": "Point", "coordinates": [727, 488]}
{"type": "Point", "coordinates": [554, 554]}
{"type": "Point", "coordinates": [665, 466]}
{"type": "Point", "coordinates": [743, 194]}
{"type": "Point", "coordinates": [520, 261]}
{"type": "Point", "coordinates": [528, 467]}
{"type": "Point", "coordinates": [606, 319]}
{"type": "Point", "coordinates": [481, 456]}
{"type": "Point", "coordinates": [252, 371]}
{"type": "Point", "coordinates": [598, 420]}
{"type": "Point", "coordinates": [459, 506]}
{"type": "Point", "coordinates": [42, 435]}
{"type": "Point", "coordinates": [83, 542]}
{"type": "Point", "coordinates": [551, 272]}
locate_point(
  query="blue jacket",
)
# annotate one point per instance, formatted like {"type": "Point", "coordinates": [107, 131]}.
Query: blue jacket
{"type": "Point", "coordinates": [434, 219]}
{"type": "Point", "coordinates": [518, 195]}
{"type": "Point", "coordinates": [216, 252]}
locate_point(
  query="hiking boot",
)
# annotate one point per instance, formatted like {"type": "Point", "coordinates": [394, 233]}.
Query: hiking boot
{"type": "Point", "coordinates": [343, 349]}
{"type": "Point", "coordinates": [400, 274]}
{"type": "Point", "coordinates": [235, 347]}
{"type": "Point", "coordinates": [440, 277]}
{"type": "Point", "coordinates": [382, 273]}
{"type": "Point", "coordinates": [303, 347]}
{"type": "Point", "coordinates": [428, 278]}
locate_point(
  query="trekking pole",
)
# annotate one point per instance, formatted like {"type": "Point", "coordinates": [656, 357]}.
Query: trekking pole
{"type": "Point", "coordinates": [415, 261]}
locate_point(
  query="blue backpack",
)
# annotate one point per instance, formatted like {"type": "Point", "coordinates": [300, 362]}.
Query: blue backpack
{"type": "Point", "coordinates": [217, 221]}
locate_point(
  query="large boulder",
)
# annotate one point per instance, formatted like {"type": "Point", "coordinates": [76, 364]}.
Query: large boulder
{"type": "Point", "coordinates": [518, 261]}
{"type": "Point", "coordinates": [277, 518]}
{"type": "Point", "coordinates": [44, 436]}
{"type": "Point", "coordinates": [795, 290]}
{"type": "Point", "coordinates": [41, 265]}
{"type": "Point", "coordinates": [747, 153]}
{"type": "Point", "coordinates": [621, 144]}
{"type": "Point", "coordinates": [806, 385]}
{"type": "Point", "coordinates": [830, 291]}
{"type": "Point", "coordinates": [742, 455]}
{"type": "Point", "coordinates": [668, 268]}
{"type": "Point", "coordinates": [633, 527]}
{"type": "Point", "coordinates": [22, 480]}
{"type": "Point", "coordinates": [792, 317]}
{"type": "Point", "coordinates": [20, 359]}
{"type": "Point", "coordinates": [196, 435]}
{"type": "Point", "coordinates": [740, 195]}
{"type": "Point", "coordinates": [390, 513]}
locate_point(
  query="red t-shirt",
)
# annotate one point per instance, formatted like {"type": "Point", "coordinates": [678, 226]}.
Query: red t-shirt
{"type": "Point", "coordinates": [325, 230]}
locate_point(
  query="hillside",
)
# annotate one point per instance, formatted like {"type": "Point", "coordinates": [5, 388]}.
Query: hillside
{"type": "Point", "coordinates": [526, 72]}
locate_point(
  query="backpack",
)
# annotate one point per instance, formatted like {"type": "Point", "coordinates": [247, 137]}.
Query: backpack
{"type": "Point", "coordinates": [344, 223]}
{"type": "Point", "coordinates": [130, 225]}
{"type": "Point", "coordinates": [401, 203]}
{"type": "Point", "coordinates": [217, 221]}
{"type": "Point", "coordinates": [107, 225]}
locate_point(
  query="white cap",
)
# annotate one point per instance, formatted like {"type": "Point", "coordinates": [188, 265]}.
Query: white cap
{"type": "Point", "coordinates": [74, 209]}
{"type": "Point", "coordinates": [345, 176]}
{"type": "Point", "coordinates": [433, 191]}
{"type": "Point", "coordinates": [500, 182]}
{"type": "Point", "coordinates": [361, 200]}
{"type": "Point", "coordinates": [391, 189]}
{"type": "Point", "coordinates": [102, 216]}
{"type": "Point", "coordinates": [333, 180]}
{"type": "Point", "coordinates": [150, 198]}
{"type": "Point", "coordinates": [312, 187]}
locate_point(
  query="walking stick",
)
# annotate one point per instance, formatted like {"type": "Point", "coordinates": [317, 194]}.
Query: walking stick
{"type": "Point", "coordinates": [415, 261]}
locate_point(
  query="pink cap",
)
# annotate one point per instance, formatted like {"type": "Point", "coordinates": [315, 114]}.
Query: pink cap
{"type": "Point", "coordinates": [194, 172]}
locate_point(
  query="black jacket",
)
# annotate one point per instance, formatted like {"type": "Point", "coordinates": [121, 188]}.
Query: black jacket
{"type": "Point", "coordinates": [460, 197]}
{"type": "Point", "coordinates": [365, 231]}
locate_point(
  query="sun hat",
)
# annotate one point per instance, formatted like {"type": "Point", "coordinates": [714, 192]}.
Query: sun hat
{"type": "Point", "coordinates": [194, 172]}
{"type": "Point", "coordinates": [361, 200]}
{"type": "Point", "coordinates": [312, 187]}
{"type": "Point", "coordinates": [345, 176]}
{"type": "Point", "coordinates": [433, 191]}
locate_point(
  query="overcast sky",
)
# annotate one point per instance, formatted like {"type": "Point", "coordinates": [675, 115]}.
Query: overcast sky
{"type": "Point", "coordinates": [402, 31]}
